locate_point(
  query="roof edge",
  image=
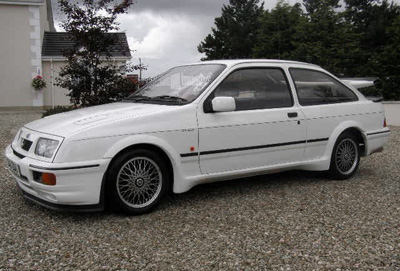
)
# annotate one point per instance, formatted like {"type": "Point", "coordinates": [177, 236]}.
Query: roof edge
{"type": "Point", "coordinates": [22, 3]}
{"type": "Point", "coordinates": [61, 58]}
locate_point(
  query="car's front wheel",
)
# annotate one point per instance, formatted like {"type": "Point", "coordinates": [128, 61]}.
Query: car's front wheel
{"type": "Point", "coordinates": [345, 157]}
{"type": "Point", "coordinates": [137, 181]}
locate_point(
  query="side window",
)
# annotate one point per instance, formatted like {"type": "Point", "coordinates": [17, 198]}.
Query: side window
{"type": "Point", "coordinates": [257, 88]}
{"type": "Point", "coordinates": [315, 87]}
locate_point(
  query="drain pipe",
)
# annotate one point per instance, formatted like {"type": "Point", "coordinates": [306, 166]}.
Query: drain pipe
{"type": "Point", "coordinates": [52, 82]}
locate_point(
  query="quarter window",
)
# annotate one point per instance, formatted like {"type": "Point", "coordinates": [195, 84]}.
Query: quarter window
{"type": "Point", "coordinates": [315, 87]}
{"type": "Point", "coordinates": [257, 88]}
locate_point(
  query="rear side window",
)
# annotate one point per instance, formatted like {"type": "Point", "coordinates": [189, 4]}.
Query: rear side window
{"type": "Point", "coordinates": [256, 88]}
{"type": "Point", "coordinates": [315, 87]}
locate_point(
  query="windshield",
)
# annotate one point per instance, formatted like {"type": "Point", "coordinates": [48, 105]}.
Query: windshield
{"type": "Point", "coordinates": [179, 85]}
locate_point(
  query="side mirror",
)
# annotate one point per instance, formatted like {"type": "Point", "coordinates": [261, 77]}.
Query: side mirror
{"type": "Point", "coordinates": [223, 104]}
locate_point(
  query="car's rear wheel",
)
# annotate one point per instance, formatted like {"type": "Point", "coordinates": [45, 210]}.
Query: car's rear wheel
{"type": "Point", "coordinates": [137, 181]}
{"type": "Point", "coordinates": [345, 157]}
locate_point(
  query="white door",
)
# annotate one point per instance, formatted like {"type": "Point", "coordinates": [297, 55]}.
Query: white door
{"type": "Point", "coordinates": [265, 129]}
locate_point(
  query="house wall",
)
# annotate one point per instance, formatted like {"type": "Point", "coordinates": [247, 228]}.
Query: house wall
{"type": "Point", "coordinates": [15, 56]}
{"type": "Point", "coordinates": [22, 27]}
{"type": "Point", "coordinates": [60, 97]}
{"type": "Point", "coordinates": [44, 22]}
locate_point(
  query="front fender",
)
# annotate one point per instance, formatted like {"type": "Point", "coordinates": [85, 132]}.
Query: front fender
{"type": "Point", "coordinates": [142, 139]}
{"type": "Point", "coordinates": [132, 140]}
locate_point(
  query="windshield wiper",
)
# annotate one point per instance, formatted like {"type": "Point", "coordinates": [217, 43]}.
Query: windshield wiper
{"type": "Point", "coordinates": [169, 98]}
{"type": "Point", "coordinates": [138, 98]}
{"type": "Point", "coordinates": [166, 98]}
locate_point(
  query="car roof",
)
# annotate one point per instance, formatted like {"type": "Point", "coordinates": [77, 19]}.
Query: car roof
{"type": "Point", "coordinates": [233, 62]}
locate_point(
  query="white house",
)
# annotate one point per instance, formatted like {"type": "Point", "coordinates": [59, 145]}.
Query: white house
{"type": "Point", "coordinates": [29, 46]}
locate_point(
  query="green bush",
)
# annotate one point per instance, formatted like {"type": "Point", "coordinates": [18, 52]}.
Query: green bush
{"type": "Point", "coordinates": [372, 91]}
{"type": "Point", "coordinates": [57, 109]}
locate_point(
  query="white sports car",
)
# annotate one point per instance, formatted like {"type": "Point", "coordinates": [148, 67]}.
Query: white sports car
{"type": "Point", "coordinates": [194, 124]}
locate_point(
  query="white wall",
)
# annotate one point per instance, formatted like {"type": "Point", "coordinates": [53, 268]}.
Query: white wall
{"type": "Point", "coordinates": [60, 97]}
{"type": "Point", "coordinates": [392, 112]}
{"type": "Point", "coordinates": [15, 56]}
{"type": "Point", "coordinates": [21, 30]}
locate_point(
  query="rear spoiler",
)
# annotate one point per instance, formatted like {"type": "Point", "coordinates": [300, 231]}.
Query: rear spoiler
{"type": "Point", "coordinates": [361, 82]}
{"type": "Point", "coordinates": [364, 82]}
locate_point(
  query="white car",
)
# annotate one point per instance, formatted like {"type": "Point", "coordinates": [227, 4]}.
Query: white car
{"type": "Point", "coordinates": [195, 124]}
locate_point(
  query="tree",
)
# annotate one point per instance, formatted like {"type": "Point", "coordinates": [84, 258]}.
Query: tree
{"type": "Point", "coordinates": [88, 76]}
{"type": "Point", "coordinates": [324, 38]}
{"type": "Point", "coordinates": [389, 63]}
{"type": "Point", "coordinates": [278, 27]}
{"type": "Point", "coordinates": [235, 31]}
{"type": "Point", "coordinates": [371, 19]}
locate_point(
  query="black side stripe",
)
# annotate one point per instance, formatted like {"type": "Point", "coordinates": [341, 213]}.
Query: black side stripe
{"type": "Point", "coordinates": [377, 133]}
{"type": "Point", "coordinates": [189, 154]}
{"type": "Point", "coordinates": [62, 168]}
{"type": "Point", "coordinates": [317, 140]}
{"type": "Point", "coordinates": [254, 147]}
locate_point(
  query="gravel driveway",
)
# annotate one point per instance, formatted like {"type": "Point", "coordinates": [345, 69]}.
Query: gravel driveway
{"type": "Point", "coordinates": [290, 221]}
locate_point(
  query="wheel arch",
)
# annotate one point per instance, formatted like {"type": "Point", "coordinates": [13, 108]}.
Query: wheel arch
{"type": "Point", "coordinates": [149, 143]}
{"type": "Point", "coordinates": [349, 126]}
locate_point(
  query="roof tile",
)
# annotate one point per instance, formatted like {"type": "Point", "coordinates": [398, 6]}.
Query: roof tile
{"type": "Point", "coordinates": [54, 43]}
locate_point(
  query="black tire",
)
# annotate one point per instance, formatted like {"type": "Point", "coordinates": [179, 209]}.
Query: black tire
{"type": "Point", "coordinates": [136, 182]}
{"type": "Point", "coordinates": [345, 157]}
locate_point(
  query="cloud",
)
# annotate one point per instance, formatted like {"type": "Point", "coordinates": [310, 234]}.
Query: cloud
{"type": "Point", "coordinates": [163, 36]}
{"type": "Point", "coordinates": [165, 39]}
{"type": "Point", "coordinates": [166, 33]}
{"type": "Point", "coordinates": [187, 7]}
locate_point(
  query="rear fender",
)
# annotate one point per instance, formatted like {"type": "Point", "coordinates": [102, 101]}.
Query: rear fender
{"type": "Point", "coordinates": [338, 131]}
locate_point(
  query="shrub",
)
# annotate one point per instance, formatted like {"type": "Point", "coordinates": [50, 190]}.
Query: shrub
{"type": "Point", "coordinates": [58, 109]}
{"type": "Point", "coordinates": [372, 91]}
{"type": "Point", "coordinates": [38, 83]}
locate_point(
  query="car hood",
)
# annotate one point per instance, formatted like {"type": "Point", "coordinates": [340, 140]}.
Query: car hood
{"type": "Point", "coordinates": [68, 123]}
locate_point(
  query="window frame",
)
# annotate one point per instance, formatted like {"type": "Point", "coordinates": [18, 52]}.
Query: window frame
{"type": "Point", "coordinates": [329, 76]}
{"type": "Point", "coordinates": [207, 107]}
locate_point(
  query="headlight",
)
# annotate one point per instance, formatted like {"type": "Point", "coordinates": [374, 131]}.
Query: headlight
{"type": "Point", "coordinates": [46, 147]}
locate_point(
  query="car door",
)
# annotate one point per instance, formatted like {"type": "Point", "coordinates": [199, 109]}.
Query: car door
{"type": "Point", "coordinates": [267, 128]}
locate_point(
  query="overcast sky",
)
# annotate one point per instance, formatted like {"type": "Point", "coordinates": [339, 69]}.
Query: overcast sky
{"type": "Point", "coordinates": [165, 33]}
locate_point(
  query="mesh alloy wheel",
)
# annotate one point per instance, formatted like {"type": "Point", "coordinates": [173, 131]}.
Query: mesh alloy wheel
{"type": "Point", "coordinates": [139, 182]}
{"type": "Point", "coordinates": [346, 156]}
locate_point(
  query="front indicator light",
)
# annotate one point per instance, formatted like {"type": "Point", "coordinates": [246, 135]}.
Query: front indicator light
{"type": "Point", "coordinates": [49, 178]}
{"type": "Point", "coordinates": [45, 178]}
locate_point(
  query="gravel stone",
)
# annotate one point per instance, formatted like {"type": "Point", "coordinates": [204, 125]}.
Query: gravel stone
{"type": "Point", "coordinates": [289, 221]}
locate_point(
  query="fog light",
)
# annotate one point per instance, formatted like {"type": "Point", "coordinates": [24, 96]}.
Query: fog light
{"type": "Point", "coordinates": [44, 178]}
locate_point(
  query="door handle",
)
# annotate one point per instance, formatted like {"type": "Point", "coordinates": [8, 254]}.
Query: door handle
{"type": "Point", "coordinates": [292, 114]}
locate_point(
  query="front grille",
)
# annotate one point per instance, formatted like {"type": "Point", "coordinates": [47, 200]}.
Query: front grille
{"type": "Point", "coordinates": [26, 144]}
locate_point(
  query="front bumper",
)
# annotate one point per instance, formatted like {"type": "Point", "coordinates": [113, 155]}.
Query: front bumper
{"type": "Point", "coordinates": [78, 187]}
